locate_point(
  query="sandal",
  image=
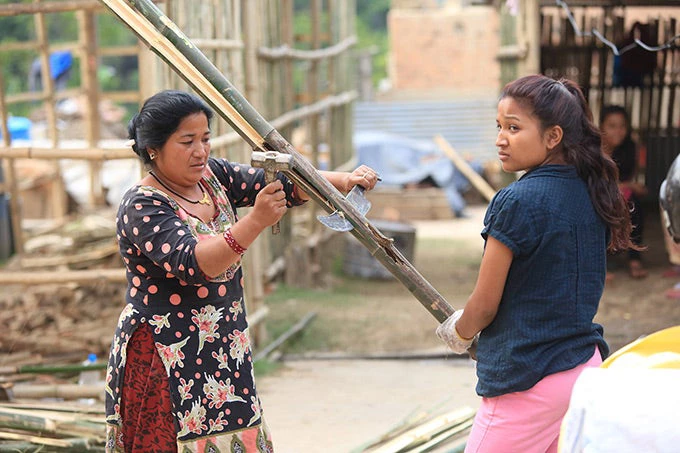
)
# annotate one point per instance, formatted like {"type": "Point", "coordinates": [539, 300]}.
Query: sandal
{"type": "Point", "coordinates": [636, 270]}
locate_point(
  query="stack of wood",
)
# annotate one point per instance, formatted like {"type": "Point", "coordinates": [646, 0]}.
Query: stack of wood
{"type": "Point", "coordinates": [63, 297]}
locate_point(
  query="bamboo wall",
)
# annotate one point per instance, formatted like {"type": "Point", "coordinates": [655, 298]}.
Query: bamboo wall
{"type": "Point", "coordinates": [300, 83]}
{"type": "Point", "coordinates": [652, 101]}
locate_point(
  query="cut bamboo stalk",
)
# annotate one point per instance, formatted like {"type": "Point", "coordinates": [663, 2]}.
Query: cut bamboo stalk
{"type": "Point", "coordinates": [63, 391]}
{"type": "Point", "coordinates": [477, 181]}
{"type": "Point", "coordinates": [71, 444]}
{"type": "Point", "coordinates": [443, 437]}
{"type": "Point", "coordinates": [89, 276]}
{"type": "Point", "coordinates": [426, 431]}
{"type": "Point", "coordinates": [51, 369]}
{"type": "Point", "coordinates": [89, 255]}
{"type": "Point", "coordinates": [298, 327]}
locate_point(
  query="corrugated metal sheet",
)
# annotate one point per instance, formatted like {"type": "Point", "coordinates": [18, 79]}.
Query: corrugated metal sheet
{"type": "Point", "coordinates": [468, 125]}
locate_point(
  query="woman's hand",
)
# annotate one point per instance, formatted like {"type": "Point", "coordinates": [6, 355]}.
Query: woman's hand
{"type": "Point", "coordinates": [270, 205]}
{"type": "Point", "coordinates": [363, 176]}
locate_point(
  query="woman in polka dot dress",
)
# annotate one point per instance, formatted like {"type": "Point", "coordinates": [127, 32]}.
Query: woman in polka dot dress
{"type": "Point", "coordinates": [180, 375]}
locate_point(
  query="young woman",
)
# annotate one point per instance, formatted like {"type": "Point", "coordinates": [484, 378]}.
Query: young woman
{"type": "Point", "coordinates": [618, 144]}
{"type": "Point", "coordinates": [180, 374]}
{"type": "Point", "coordinates": [543, 269]}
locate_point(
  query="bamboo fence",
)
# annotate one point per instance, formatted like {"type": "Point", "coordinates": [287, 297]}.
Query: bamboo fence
{"type": "Point", "coordinates": [252, 42]}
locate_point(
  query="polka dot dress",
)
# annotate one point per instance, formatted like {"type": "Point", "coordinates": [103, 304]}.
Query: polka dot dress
{"type": "Point", "coordinates": [198, 324]}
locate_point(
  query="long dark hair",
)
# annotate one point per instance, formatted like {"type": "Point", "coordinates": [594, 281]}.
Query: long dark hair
{"type": "Point", "coordinates": [159, 118]}
{"type": "Point", "coordinates": [561, 103]}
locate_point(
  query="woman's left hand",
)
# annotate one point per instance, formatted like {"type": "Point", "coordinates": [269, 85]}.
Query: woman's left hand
{"type": "Point", "coordinates": [363, 176]}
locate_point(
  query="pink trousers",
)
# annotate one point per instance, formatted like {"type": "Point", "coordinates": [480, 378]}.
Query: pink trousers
{"type": "Point", "coordinates": [528, 421]}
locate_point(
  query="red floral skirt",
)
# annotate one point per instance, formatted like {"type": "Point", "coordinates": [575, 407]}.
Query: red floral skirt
{"type": "Point", "coordinates": [148, 424]}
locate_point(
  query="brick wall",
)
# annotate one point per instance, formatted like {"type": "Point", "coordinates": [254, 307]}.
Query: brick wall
{"type": "Point", "coordinates": [444, 49]}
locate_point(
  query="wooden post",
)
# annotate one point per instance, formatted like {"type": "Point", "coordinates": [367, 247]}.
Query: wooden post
{"type": "Point", "coordinates": [10, 176]}
{"type": "Point", "coordinates": [287, 39]}
{"type": "Point", "coordinates": [90, 90]}
{"type": "Point", "coordinates": [477, 181]}
{"type": "Point", "coordinates": [258, 253]}
{"type": "Point", "coordinates": [59, 192]}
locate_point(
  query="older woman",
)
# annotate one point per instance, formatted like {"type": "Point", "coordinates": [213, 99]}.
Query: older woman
{"type": "Point", "coordinates": [180, 372]}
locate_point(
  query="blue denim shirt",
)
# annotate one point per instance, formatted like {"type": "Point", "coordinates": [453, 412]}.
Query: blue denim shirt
{"type": "Point", "coordinates": [544, 323]}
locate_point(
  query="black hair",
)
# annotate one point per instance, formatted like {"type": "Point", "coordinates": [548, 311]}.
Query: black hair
{"type": "Point", "coordinates": [160, 117]}
{"type": "Point", "coordinates": [562, 103]}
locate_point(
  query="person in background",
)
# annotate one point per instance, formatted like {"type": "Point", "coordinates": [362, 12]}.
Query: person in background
{"type": "Point", "coordinates": [543, 270]}
{"type": "Point", "coordinates": [619, 145]}
{"type": "Point", "coordinates": [180, 373]}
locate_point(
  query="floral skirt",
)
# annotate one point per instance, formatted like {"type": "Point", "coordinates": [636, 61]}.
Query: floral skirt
{"type": "Point", "coordinates": [147, 422]}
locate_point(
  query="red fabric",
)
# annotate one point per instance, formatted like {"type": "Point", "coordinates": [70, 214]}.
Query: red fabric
{"type": "Point", "coordinates": [146, 405]}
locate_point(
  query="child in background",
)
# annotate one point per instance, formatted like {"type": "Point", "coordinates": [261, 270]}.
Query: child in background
{"type": "Point", "coordinates": [543, 270]}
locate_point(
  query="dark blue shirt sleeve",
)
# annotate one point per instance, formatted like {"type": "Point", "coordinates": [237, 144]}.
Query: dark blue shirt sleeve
{"type": "Point", "coordinates": [512, 224]}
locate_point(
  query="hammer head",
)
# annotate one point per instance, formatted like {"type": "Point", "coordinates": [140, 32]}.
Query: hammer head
{"type": "Point", "coordinates": [271, 162]}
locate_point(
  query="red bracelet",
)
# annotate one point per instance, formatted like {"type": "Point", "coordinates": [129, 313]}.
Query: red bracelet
{"type": "Point", "coordinates": [231, 242]}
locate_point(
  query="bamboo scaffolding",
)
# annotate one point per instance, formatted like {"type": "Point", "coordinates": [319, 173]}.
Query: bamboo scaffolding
{"type": "Point", "coordinates": [163, 36]}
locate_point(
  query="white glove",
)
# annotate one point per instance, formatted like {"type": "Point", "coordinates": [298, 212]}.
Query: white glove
{"type": "Point", "coordinates": [448, 334]}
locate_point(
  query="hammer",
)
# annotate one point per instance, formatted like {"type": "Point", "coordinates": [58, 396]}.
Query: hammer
{"type": "Point", "coordinates": [272, 162]}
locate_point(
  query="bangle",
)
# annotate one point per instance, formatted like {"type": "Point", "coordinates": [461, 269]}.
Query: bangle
{"type": "Point", "coordinates": [231, 242]}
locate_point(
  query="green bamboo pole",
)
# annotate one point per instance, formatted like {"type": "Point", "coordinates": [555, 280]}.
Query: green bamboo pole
{"type": "Point", "coordinates": [165, 39]}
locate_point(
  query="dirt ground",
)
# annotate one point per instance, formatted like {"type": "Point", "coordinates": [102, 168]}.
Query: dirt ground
{"type": "Point", "coordinates": [339, 405]}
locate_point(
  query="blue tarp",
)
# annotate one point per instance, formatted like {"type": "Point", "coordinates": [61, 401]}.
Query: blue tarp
{"type": "Point", "coordinates": [401, 161]}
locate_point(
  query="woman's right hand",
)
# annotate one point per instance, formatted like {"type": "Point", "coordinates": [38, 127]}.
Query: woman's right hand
{"type": "Point", "coordinates": [270, 204]}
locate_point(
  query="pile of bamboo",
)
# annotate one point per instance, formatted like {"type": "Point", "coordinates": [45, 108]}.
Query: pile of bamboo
{"type": "Point", "coordinates": [422, 432]}
{"type": "Point", "coordinates": [56, 427]}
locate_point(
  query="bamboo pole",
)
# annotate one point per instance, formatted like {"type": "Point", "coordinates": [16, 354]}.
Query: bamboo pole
{"type": "Point", "coordinates": [425, 432]}
{"type": "Point", "coordinates": [477, 181]}
{"type": "Point", "coordinates": [190, 62]}
{"type": "Point", "coordinates": [29, 152]}
{"type": "Point", "coordinates": [89, 276]}
{"type": "Point", "coordinates": [295, 329]}
{"type": "Point", "coordinates": [16, 9]}
{"type": "Point", "coordinates": [292, 116]}
{"type": "Point", "coordinates": [90, 86]}
{"type": "Point", "coordinates": [285, 51]}
{"type": "Point", "coordinates": [65, 391]}
{"type": "Point", "coordinates": [58, 196]}
{"type": "Point", "coordinates": [255, 262]}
